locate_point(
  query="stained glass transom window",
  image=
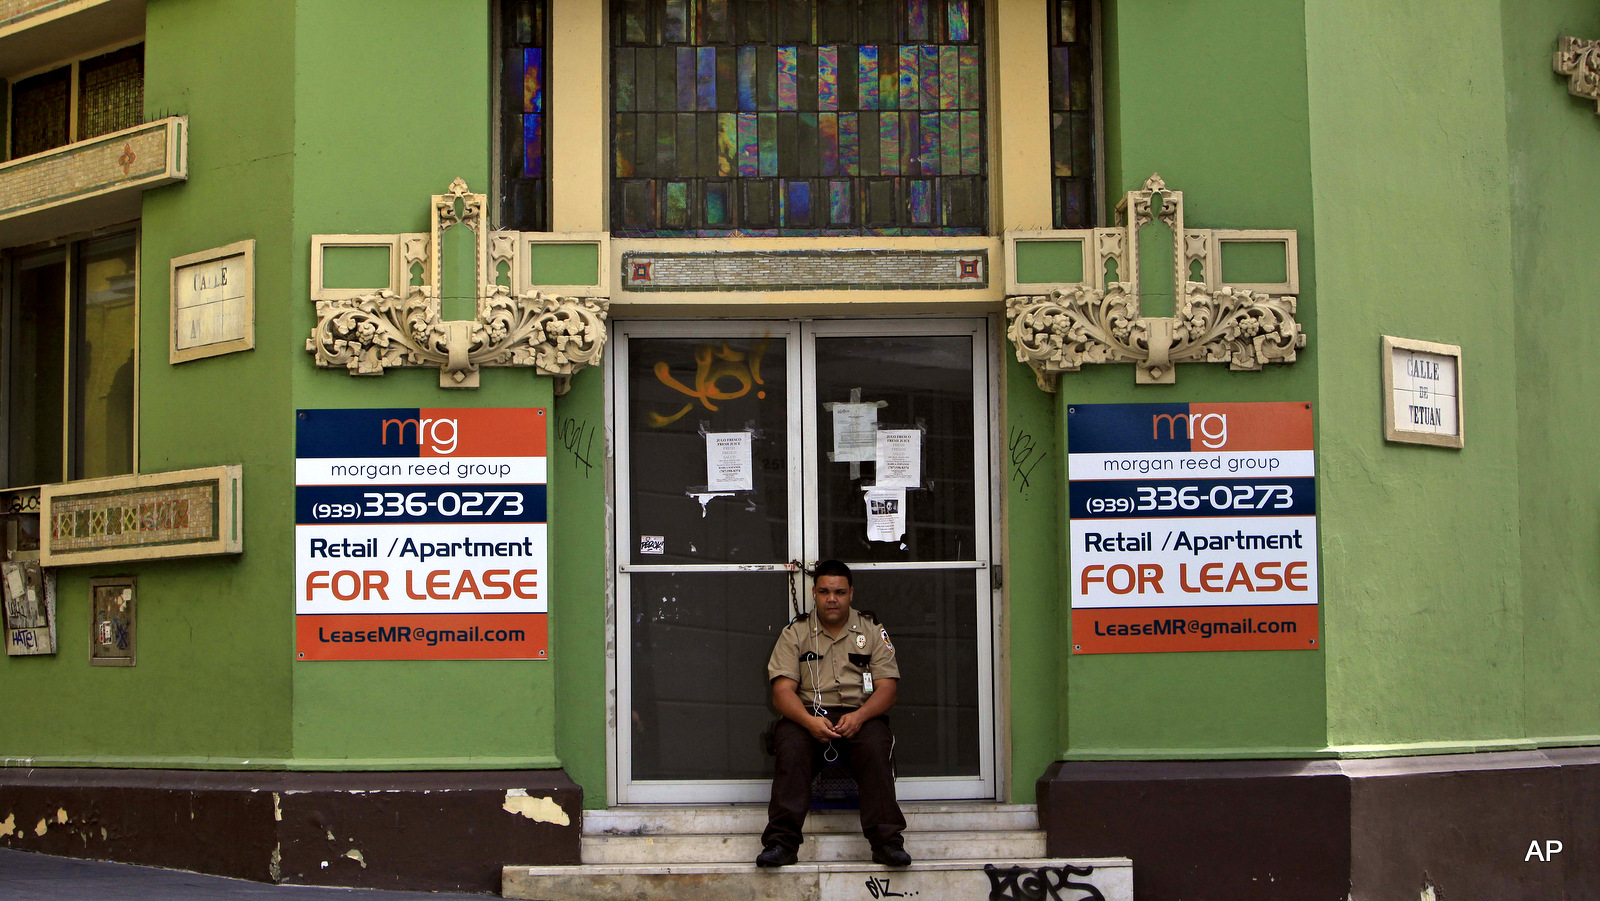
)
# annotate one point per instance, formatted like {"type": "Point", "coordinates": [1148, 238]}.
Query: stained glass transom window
{"type": "Point", "coordinates": [797, 117]}
{"type": "Point", "coordinates": [524, 124]}
{"type": "Point", "coordinates": [1072, 131]}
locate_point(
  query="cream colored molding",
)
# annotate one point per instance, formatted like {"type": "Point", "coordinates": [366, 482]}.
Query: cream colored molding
{"type": "Point", "coordinates": [523, 278]}
{"type": "Point", "coordinates": [1097, 320]}
{"type": "Point", "coordinates": [1579, 60]}
{"type": "Point", "coordinates": [366, 331]}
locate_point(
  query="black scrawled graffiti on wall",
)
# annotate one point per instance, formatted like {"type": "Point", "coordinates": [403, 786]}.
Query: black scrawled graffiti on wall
{"type": "Point", "coordinates": [878, 887]}
{"type": "Point", "coordinates": [1022, 884]}
{"type": "Point", "coordinates": [1025, 456]}
{"type": "Point", "coordinates": [576, 437]}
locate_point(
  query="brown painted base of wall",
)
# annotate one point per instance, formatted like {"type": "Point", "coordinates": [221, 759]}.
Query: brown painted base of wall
{"type": "Point", "coordinates": [434, 831]}
{"type": "Point", "coordinates": [1331, 830]}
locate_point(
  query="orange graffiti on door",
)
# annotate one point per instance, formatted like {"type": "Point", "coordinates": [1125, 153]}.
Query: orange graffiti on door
{"type": "Point", "coordinates": [712, 366]}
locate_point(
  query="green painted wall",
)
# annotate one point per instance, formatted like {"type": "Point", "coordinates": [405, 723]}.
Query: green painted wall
{"type": "Point", "coordinates": [1459, 587]}
{"type": "Point", "coordinates": [1185, 98]}
{"type": "Point", "coordinates": [380, 126]}
{"type": "Point", "coordinates": [1423, 603]}
{"type": "Point", "coordinates": [579, 474]}
{"type": "Point", "coordinates": [1031, 465]}
{"type": "Point", "coordinates": [212, 684]}
{"type": "Point", "coordinates": [1554, 146]}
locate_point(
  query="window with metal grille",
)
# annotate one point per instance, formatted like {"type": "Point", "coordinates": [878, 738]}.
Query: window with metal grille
{"type": "Point", "coordinates": [111, 92]}
{"type": "Point", "coordinates": [524, 131]}
{"type": "Point", "coordinates": [109, 96]}
{"type": "Point", "coordinates": [41, 112]}
{"type": "Point", "coordinates": [797, 117]}
{"type": "Point", "coordinates": [1072, 119]}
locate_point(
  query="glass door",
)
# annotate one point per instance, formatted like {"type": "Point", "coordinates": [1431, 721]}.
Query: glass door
{"type": "Point", "coordinates": [926, 384]}
{"type": "Point", "coordinates": [730, 471]}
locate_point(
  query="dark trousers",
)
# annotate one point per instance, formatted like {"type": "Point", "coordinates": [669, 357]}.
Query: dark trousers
{"type": "Point", "coordinates": [798, 758]}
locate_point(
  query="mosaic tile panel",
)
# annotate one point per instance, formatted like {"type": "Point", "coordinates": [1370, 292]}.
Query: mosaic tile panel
{"type": "Point", "coordinates": [130, 160]}
{"type": "Point", "coordinates": [804, 270]}
{"type": "Point", "coordinates": [184, 513]}
{"type": "Point", "coordinates": [13, 12]}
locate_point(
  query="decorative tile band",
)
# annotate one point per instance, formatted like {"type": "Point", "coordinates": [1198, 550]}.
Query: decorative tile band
{"type": "Point", "coordinates": [13, 12]}
{"type": "Point", "coordinates": [142, 157]}
{"type": "Point", "coordinates": [178, 514]}
{"type": "Point", "coordinates": [805, 270]}
{"type": "Point", "coordinates": [174, 515]}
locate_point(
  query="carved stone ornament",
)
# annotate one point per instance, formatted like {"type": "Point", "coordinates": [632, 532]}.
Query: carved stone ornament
{"type": "Point", "coordinates": [1098, 321]}
{"type": "Point", "coordinates": [1579, 60]}
{"type": "Point", "coordinates": [366, 333]}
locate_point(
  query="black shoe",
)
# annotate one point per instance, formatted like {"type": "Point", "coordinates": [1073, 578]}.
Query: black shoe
{"type": "Point", "coordinates": [777, 854]}
{"type": "Point", "coordinates": [891, 856]}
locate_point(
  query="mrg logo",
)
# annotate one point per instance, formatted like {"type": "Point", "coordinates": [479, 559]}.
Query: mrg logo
{"type": "Point", "coordinates": [440, 434]}
{"type": "Point", "coordinates": [1212, 427]}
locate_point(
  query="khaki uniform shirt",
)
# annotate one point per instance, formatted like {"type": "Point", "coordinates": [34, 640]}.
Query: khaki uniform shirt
{"type": "Point", "coordinates": [838, 665]}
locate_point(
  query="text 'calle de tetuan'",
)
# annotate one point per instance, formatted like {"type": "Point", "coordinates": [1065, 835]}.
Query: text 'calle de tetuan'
{"type": "Point", "coordinates": [1193, 527]}
{"type": "Point", "coordinates": [421, 534]}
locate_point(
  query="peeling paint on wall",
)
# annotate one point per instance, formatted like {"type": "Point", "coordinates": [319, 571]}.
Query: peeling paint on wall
{"type": "Point", "coordinates": [61, 815]}
{"type": "Point", "coordinates": [42, 828]}
{"type": "Point", "coordinates": [277, 808]}
{"type": "Point", "coordinates": [9, 827]}
{"type": "Point", "coordinates": [355, 855]}
{"type": "Point", "coordinates": [275, 865]}
{"type": "Point", "coordinates": [543, 810]}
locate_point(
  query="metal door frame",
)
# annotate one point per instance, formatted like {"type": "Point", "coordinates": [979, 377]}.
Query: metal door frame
{"type": "Point", "coordinates": [799, 336]}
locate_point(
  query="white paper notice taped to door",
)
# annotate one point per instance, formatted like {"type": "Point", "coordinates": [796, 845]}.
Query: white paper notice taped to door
{"type": "Point", "coordinates": [855, 430]}
{"type": "Point", "coordinates": [899, 458]}
{"type": "Point", "coordinates": [728, 462]}
{"type": "Point", "coordinates": [886, 513]}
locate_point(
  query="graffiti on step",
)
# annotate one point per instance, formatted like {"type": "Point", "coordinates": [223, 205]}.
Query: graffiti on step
{"type": "Point", "coordinates": [1022, 884]}
{"type": "Point", "coordinates": [878, 887]}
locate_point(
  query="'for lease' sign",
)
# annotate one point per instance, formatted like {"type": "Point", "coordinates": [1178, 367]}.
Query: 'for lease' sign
{"type": "Point", "coordinates": [1193, 527]}
{"type": "Point", "coordinates": [420, 534]}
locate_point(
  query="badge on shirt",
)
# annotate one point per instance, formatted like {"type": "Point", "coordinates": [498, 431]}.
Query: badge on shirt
{"type": "Point", "coordinates": [886, 642]}
{"type": "Point", "coordinates": [861, 641]}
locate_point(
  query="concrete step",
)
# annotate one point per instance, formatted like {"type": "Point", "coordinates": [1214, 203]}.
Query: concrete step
{"type": "Point", "coordinates": [710, 819]}
{"type": "Point", "coordinates": [925, 881]}
{"type": "Point", "coordinates": [742, 847]}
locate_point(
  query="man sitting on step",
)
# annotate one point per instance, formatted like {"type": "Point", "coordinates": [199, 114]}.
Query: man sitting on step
{"type": "Point", "coordinates": [833, 676]}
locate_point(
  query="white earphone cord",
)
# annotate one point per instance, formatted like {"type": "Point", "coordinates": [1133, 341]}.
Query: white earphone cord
{"type": "Point", "coordinates": [831, 754]}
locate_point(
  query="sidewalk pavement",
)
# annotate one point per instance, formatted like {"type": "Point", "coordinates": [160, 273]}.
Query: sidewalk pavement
{"type": "Point", "coordinates": [25, 876]}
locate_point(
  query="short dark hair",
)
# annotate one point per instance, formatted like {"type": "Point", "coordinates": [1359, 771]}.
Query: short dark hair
{"type": "Point", "coordinates": [834, 568]}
